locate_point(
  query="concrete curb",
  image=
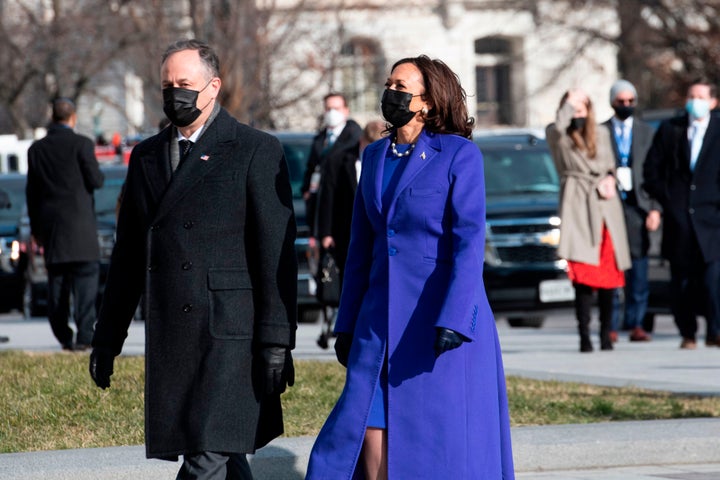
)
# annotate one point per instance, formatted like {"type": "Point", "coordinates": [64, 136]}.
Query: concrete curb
{"type": "Point", "coordinates": [536, 449]}
{"type": "Point", "coordinates": [616, 444]}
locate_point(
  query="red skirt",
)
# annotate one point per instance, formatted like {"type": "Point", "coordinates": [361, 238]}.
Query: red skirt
{"type": "Point", "coordinates": [604, 275]}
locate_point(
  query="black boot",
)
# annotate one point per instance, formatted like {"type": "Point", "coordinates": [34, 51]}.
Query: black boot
{"type": "Point", "coordinates": [583, 301]}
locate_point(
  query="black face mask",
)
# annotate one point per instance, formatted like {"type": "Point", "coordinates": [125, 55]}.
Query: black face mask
{"type": "Point", "coordinates": [623, 111]}
{"type": "Point", "coordinates": [396, 107]}
{"type": "Point", "coordinates": [578, 123]}
{"type": "Point", "coordinates": [180, 105]}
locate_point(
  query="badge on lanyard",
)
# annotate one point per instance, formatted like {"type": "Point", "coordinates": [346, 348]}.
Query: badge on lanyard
{"type": "Point", "coordinates": [624, 178]}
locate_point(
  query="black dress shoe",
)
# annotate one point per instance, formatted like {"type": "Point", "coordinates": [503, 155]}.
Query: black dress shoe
{"type": "Point", "coordinates": [68, 346]}
{"type": "Point", "coordinates": [81, 347]}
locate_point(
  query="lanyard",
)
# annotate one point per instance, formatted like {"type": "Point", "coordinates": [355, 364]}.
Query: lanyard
{"type": "Point", "coordinates": [624, 140]}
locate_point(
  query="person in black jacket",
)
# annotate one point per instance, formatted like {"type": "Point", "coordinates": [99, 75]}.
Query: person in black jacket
{"type": "Point", "coordinates": [338, 138]}
{"type": "Point", "coordinates": [682, 172]}
{"type": "Point", "coordinates": [62, 175]}
{"type": "Point", "coordinates": [338, 183]}
{"type": "Point", "coordinates": [207, 238]}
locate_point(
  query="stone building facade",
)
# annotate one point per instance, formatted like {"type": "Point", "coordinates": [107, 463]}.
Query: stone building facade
{"type": "Point", "coordinates": [514, 58]}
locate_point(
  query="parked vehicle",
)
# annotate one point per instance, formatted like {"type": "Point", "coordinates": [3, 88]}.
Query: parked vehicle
{"type": "Point", "coordinates": [35, 285]}
{"type": "Point", "coordinates": [12, 263]}
{"type": "Point", "coordinates": [297, 149]}
{"type": "Point", "coordinates": [522, 273]}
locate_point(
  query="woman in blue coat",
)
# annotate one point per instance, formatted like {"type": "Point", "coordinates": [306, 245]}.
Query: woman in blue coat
{"type": "Point", "coordinates": [424, 395]}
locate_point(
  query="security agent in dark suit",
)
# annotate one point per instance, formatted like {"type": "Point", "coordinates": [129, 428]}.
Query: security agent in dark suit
{"type": "Point", "coordinates": [631, 139]}
{"type": "Point", "coordinates": [682, 171]}
{"type": "Point", "coordinates": [338, 138]}
{"type": "Point", "coordinates": [62, 175]}
{"type": "Point", "coordinates": [207, 237]}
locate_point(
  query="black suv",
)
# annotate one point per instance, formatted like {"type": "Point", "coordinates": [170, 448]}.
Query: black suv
{"type": "Point", "coordinates": [297, 149]}
{"type": "Point", "coordinates": [12, 261]}
{"type": "Point", "coordinates": [522, 273]}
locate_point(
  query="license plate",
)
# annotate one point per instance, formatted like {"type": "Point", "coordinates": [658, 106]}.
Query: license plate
{"type": "Point", "coordinates": [556, 291]}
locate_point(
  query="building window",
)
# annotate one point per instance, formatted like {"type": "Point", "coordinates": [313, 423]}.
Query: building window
{"type": "Point", "coordinates": [361, 66]}
{"type": "Point", "coordinates": [493, 46]}
{"type": "Point", "coordinates": [493, 81]}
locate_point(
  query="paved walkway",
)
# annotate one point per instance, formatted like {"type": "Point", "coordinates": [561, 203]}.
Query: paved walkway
{"type": "Point", "coordinates": [650, 450]}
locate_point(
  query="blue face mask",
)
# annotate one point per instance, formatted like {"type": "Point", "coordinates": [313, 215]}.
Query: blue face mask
{"type": "Point", "coordinates": [697, 108]}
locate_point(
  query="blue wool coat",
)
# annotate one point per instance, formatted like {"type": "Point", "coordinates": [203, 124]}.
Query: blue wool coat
{"type": "Point", "coordinates": [414, 265]}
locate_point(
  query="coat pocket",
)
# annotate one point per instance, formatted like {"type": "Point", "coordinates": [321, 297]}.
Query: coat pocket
{"type": "Point", "coordinates": [231, 307]}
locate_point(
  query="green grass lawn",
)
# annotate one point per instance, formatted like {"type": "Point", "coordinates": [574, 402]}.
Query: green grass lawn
{"type": "Point", "coordinates": [49, 402]}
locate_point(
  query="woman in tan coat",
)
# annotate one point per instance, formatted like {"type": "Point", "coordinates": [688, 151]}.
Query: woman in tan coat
{"type": "Point", "coordinates": [592, 235]}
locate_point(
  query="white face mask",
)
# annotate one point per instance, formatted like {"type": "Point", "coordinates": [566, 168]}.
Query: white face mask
{"type": "Point", "coordinates": [333, 118]}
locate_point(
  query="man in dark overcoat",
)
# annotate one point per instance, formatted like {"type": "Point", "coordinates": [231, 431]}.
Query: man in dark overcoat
{"type": "Point", "coordinates": [208, 237]}
{"type": "Point", "coordinates": [682, 171]}
{"type": "Point", "coordinates": [335, 141]}
{"type": "Point", "coordinates": [62, 175]}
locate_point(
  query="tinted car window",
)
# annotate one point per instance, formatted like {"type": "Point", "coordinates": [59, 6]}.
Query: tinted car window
{"type": "Point", "coordinates": [509, 172]}
{"type": "Point", "coordinates": [297, 150]}
{"type": "Point", "coordinates": [106, 197]}
{"type": "Point", "coordinates": [15, 188]}
{"type": "Point", "coordinates": [296, 154]}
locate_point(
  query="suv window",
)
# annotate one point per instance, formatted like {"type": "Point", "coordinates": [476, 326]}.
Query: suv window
{"type": "Point", "coordinates": [517, 172]}
{"type": "Point", "coordinates": [14, 185]}
{"type": "Point", "coordinates": [297, 151]}
{"type": "Point", "coordinates": [107, 196]}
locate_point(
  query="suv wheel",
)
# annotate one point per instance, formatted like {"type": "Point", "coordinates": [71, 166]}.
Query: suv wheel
{"type": "Point", "coordinates": [530, 321]}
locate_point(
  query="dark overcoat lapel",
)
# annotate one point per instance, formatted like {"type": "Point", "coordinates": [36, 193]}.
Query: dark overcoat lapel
{"type": "Point", "coordinates": [212, 151]}
{"type": "Point", "coordinates": [155, 163]}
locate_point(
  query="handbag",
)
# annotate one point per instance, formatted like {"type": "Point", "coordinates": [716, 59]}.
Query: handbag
{"type": "Point", "coordinates": [328, 280]}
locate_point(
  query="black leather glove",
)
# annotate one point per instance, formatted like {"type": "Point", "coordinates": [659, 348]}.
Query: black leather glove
{"type": "Point", "coordinates": [343, 342]}
{"type": "Point", "coordinates": [101, 367]}
{"type": "Point", "coordinates": [446, 339]}
{"type": "Point", "coordinates": [279, 370]}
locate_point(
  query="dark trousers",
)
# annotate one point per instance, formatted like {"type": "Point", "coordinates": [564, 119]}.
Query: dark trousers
{"type": "Point", "coordinates": [636, 293]}
{"type": "Point", "coordinates": [81, 280]}
{"type": "Point", "coordinates": [696, 291]}
{"type": "Point", "coordinates": [583, 306]}
{"type": "Point", "coordinates": [215, 466]}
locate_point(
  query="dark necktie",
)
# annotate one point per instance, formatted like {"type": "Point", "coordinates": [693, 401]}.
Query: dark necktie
{"type": "Point", "coordinates": [185, 146]}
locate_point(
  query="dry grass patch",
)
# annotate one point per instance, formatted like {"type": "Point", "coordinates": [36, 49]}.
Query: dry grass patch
{"type": "Point", "coordinates": [50, 403]}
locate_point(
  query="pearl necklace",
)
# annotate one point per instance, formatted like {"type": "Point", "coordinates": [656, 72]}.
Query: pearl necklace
{"type": "Point", "coordinates": [405, 153]}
